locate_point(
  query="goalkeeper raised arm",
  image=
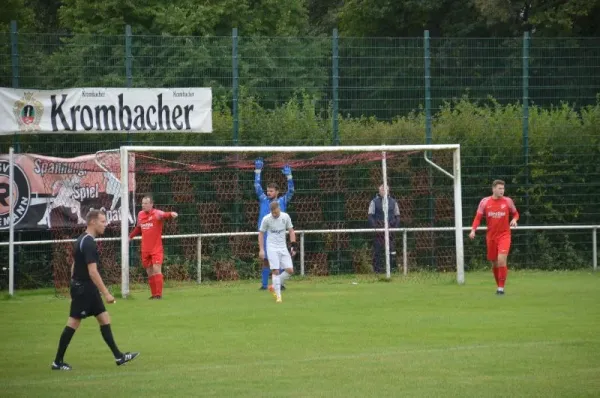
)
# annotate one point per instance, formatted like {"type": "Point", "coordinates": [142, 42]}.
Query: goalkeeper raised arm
{"type": "Point", "coordinates": [264, 201]}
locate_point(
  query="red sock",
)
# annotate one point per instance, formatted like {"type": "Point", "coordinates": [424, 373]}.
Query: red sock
{"type": "Point", "coordinates": [495, 271]}
{"type": "Point", "coordinates": [152, 283]}
{"type": "Point", "coordinates": [502, 273]}
{"type": "Point", "coordinates": [159, 284]}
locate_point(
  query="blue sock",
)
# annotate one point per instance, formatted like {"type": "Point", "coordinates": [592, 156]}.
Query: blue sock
{"type": "Point", "coordinates": [265, 276]}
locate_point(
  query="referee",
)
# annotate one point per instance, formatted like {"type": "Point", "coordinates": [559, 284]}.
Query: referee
{"type": "Point", "coordinates": [86, 285]}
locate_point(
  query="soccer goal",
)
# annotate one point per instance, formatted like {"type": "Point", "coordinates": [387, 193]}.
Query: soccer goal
{"type": "Point", "coordinates": [214, 191]}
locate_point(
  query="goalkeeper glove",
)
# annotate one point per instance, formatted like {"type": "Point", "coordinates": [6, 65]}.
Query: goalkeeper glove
{"type": "Point", "coordinates": [293, 248]}
{"type": "Point", "coordinates": [258, 165]}
{"type": "Point", "coordinates": [287, 171]}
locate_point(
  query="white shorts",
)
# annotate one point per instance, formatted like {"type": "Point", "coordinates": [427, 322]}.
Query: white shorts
{"type": "Point", "coordinates": [279, 258]}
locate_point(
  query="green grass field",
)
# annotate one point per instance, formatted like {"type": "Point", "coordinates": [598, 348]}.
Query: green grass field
{"type": "Point", "coordinates": [422, 336]}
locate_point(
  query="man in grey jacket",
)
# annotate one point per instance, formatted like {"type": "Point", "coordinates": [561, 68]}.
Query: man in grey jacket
{"type": "Point", "coordinates": [376, 220]}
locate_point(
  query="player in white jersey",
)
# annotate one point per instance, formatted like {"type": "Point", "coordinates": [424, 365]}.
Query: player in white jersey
{"type": "Point", "coordinates": [277, 223]}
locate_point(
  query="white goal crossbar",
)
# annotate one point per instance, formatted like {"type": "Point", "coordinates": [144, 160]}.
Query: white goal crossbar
{"type": "Point", "coordinates": [455, 174]}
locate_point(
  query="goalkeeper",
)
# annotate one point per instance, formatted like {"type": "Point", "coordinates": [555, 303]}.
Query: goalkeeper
{"type": "Point", "coordinates": [264, 201]}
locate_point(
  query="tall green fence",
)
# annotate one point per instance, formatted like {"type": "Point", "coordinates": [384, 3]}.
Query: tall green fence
{"type": "Point", "coordinates": [382, 78]}
{"type": "Point", "coordinates": [524, 109]}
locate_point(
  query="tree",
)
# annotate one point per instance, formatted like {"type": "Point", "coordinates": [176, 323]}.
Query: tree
{"type": "Point", "coordinates": [323, 15]}
{"type": "Point", "coordinates": [542, 17]}
{"type": "Point", "coordinates": [16, 10]}
{"type": "Point", "coordinates": [46, 14]}
{"type": "Point", "coordinates": [186, 17]}
{"type": "Point", "coordinates": [409, 18]}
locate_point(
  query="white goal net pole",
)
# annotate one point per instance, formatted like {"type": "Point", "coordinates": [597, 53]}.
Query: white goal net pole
{"type": "Point", "coordinates": [126, 150]}
{"type": "Point", "coordinates": [386, 223]}
{"type": "Point", "coordinates": [125, 221]}
{"type": "Point", "coordinates": [458, 224]}
{"type": "Point", "coordinates": [11, 223]}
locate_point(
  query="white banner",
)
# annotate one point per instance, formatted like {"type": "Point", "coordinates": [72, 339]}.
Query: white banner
{"type": "Point", "coordinates": [106, 110]}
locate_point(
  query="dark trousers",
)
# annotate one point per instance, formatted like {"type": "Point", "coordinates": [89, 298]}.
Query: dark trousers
{"type": "Point", "coordinates": [379, 252]}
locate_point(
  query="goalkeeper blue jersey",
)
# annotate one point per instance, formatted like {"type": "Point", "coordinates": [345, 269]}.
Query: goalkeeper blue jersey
{"type": "Point", "coordinates": [264, 202]}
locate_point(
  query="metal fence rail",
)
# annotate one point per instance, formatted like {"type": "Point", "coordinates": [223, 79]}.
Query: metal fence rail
{"type": "Point", "coordinates": [302, 233]}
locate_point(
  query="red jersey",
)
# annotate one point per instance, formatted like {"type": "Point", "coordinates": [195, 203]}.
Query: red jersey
{"type": "Point", "coordinates": [497, 214]}
{"type": "Point", "coordinates": [150, 225]}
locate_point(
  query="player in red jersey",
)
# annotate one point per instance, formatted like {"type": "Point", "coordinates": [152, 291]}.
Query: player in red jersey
{"type": "Point", "coordinates": [150, 225]}
{"type": "Point", "coordinates": [497, 210]}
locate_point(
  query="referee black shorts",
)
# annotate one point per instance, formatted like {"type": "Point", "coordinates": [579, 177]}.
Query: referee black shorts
{"type": "Point", "coordinates": [85, 300]}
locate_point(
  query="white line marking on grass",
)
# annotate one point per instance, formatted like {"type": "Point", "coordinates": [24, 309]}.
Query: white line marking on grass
{"type": "Point", "coordinates": [287, 361]}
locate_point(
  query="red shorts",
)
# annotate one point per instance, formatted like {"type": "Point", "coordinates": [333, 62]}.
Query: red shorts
{"type": "Point", "coordinates": [151, 258]}
{"type": "Point", "coordinates": [497, 245]}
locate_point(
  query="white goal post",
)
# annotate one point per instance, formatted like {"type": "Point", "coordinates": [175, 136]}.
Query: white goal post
{"type": "Point", "coordinates": [455, 175]}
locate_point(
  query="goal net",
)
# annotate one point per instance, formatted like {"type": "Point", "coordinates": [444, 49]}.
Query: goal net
{"type": "Point", "coordinates": [213, 191]}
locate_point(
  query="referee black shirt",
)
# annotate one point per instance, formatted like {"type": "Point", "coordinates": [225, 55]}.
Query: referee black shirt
{"type": "Point", "coordinates": [86, 253]}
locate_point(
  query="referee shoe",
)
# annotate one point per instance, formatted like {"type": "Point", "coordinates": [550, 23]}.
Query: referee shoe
{"type": "Point", "coordinates": [127, 357]}
{"type": "Point", "coordinates": [61, 366]}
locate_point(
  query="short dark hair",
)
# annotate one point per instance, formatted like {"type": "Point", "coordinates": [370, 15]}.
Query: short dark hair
{"type": "Point", "coordinates": [273, 185]}
{"type": "Point", "coordinates": [497, 182]}
{"type": "Point", "coordinates": [149, 197]}
{"type": "Point", "coordinates": [93, 214]}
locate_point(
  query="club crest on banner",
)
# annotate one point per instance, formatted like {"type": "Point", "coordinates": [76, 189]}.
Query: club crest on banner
{"type": "Point", "coordinates": [28, 112]}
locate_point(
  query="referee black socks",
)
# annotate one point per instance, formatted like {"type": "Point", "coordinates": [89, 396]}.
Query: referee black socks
{"type": "Point", "coordinates": [63, 343]}
{"type": "Point", "coordinates": [110, 341]}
